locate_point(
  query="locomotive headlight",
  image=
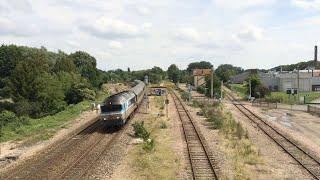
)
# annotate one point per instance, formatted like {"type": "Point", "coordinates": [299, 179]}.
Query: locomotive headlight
{"type": "Point", "coordinates": [118, 117]}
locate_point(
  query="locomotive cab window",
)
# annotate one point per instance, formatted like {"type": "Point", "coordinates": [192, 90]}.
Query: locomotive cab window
{"type": "Point", "coordinates": [111, 108]}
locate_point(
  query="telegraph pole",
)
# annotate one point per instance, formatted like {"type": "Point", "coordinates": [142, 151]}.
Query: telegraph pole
{"type": "Point", "coordinates": [298, 89]}
{"type": "Point", "coordinates": [250, 95]}
{"type": "Point", "coordinates": [212, 82]}
{"type": "Point", "coordinates": [221, 96]}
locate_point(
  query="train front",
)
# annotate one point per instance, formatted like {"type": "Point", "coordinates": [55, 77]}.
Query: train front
{"type": "Point", "coordinates": [112, 110]}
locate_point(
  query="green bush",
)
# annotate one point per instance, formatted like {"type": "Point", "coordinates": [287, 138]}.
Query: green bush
{"type": "Point", "coordinates": [7, 117]}
{"type": "Point", "coordinates": [201, 90]}
{"type": "Point", "coordinates": [185, 96]}
{"type": "Point", "coordinates": [140, 131]}
{"type": "Point", "coordinates": [148, 145]}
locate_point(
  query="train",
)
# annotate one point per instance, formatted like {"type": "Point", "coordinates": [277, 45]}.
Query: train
{"type": "Point", "coordinates": [118, 108]}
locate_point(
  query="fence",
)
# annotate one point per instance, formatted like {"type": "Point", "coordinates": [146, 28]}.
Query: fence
{"type": "Point", "coordinates": [314, 109]}
{"type": "Point", "coordinates": [280, 106]}
{"type": "Point", "coordinates": [265, 104]}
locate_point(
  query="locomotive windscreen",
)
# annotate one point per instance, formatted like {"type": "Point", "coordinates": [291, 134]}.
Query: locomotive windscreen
{"type": "Point", "coordinates": [111, 108]}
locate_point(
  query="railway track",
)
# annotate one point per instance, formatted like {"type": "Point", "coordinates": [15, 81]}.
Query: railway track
{"type": "Point", "coordinates": [306, 160]}
{"type": "Point", "coordinates": [202, 166]}
{"type": "Point", "coordinates": [70, 159]}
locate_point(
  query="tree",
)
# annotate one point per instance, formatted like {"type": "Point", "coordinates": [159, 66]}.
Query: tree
{"type": "Point", "coordinates": [86, 64]}
{"type": "Point", "coordinates": [78, 93]}
{"type": "Point", "coordinates": [65, 64]}
{"type": "Point", "coordinates": [186, 77]}
{"type": "Point", "coordinates": [9, 57]}
{"type": "Point", "coordinates": [257, 88]}
{"type": "Point", "coordinates": [225, 71]}
{"type": "Point", "coordinates": [199, 65]}
{"type": "Point", "coordinates": [36, 92]}
{"type": "Point", "coordinates": [216, 85]}
{"type": "Point", "coordinates": [173, 73]}
{"type": "Point", "coordinates": [156, 75]}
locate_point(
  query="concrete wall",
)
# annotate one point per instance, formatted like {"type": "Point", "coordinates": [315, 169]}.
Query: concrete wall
{"type": "Point", "coordinates": [284, 81]}
{"type": "Point", "coordinates": [290, 80]}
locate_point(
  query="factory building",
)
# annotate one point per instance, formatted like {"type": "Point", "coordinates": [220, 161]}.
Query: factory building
{"type": "Point", "coordinates": [303, 80]}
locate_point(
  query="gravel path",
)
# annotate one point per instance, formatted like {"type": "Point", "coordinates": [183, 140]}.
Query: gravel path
{"type": "Point", "coordinates": [278, 165]}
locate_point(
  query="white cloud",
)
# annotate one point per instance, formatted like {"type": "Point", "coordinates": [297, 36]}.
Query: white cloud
{"type": "Point", "coordinates": [243, 4]}
{"type": "Point", "coordinates": [250, 33]}
{"type": "Point", "coordinates": [16, 5]}
{"type": "Point", "coordinates": [115, 44]}
{"type": "Point", "coordinates": [142, 33]}
{"type": "Point", "coordinates": [9, 27]}
{"type": "Point", "coordinates": [187, 34]}
{"type": "Point", "coordinates": [109, 28]}
{"type": "Point", "coordinates": [306, 4]}
{"type": "Point", "coordinates": [142, 10]}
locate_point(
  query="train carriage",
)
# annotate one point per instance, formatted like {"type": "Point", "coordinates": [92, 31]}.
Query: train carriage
{"type": "Point", "coordinates": [117, 108]}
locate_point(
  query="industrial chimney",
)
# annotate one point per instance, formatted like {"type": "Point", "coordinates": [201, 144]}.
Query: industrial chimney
{"type": "Point", "coordinates": [315, 54]}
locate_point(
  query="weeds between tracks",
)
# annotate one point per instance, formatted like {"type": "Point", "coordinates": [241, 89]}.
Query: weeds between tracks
{"type": "Point", "coordinates": [161, 162]}
{"type": "Point", "coordinates": [236, 144]}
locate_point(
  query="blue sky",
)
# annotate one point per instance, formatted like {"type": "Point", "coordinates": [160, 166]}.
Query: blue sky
{"type": "Point", "coordinates": [145, 33]}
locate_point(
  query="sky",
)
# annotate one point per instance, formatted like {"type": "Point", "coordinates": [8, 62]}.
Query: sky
{"type": "Point", "coordinates": [141, 34]}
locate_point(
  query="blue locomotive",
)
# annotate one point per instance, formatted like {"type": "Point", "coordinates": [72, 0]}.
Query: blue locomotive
{"type": "Point", "coordinates": [117, 108]}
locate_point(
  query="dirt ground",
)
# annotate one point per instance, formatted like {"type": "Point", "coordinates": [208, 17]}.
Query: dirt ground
{"type": "Point", "coordinates": [277, 164]}
{"type": "Point", "coordinates": [172, 140]}
{"type": "Point", "coordinates": [16, 150]}
{"type": "Point", "coordinates": [301, 126]}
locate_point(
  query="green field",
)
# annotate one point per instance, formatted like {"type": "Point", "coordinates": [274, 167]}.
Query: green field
{"type": "Point", "coordinates": [240, 89]}
{"type": "Point", "coordinates": [34, 130]}
{"type": "Point", "coordinates": [282, 97]}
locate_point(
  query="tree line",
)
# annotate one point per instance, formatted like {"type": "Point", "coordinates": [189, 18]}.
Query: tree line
{"type": "Point", "coordinates": [36, 82]}
{"type": "Point", "coordinates": [40, 82]}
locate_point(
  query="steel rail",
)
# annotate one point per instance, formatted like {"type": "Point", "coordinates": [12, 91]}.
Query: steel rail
{"type": "Point", "coordinates": [188, 137]}
{"type": "Point", "coordinates": [314, 171]}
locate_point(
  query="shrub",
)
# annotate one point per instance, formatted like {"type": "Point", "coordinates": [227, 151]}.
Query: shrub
{"type": "Point", "coordinates": [185, 96]}
{"type": "Point", "coordinates": [140, 131]}
{"type": "Point", "coordinates": [163, 125]}
{"type": "Point", "coordinates": [7, 117]}
{"type": "Point", "coordinates": [148, 145]}
{"type": "Point", "coordinates": [201, 90]}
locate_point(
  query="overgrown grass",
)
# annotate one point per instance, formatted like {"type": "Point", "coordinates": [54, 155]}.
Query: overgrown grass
{"type": "Point", "coordinates": [234, 137]}
{"type": "Point", "coordinates": [34, 130]}
{"type": "Point", "coordinates": [282, 97]}
{"type": "Point", "coordinates": [161, 162]}
{"type": "Point", "coordinates": [240, 89]}
{"type": "Point", "coordinates": [159, 102]}
{"type": "Point", "coordinates": [42, 128]}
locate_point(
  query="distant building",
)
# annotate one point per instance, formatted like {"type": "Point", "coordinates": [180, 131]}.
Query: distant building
{"type": "Point", "coordinates": [241, 78]}
{"type": "Point", "coordinates": [282, 81]}
{"type": "Point", "coordinates": [199, 76]}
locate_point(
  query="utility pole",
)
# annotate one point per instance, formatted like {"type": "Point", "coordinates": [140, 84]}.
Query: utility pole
{"type": "Point", "coordinates": [212, 81]}
{"type": "Point", "coordinates": [250, 95]}
{"type": "Point", "coordinates": [221, 90]}
{"type": "Point", "coordinates": [166, 103]}
{"type": "Point", "coordinates": [298, 89]}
